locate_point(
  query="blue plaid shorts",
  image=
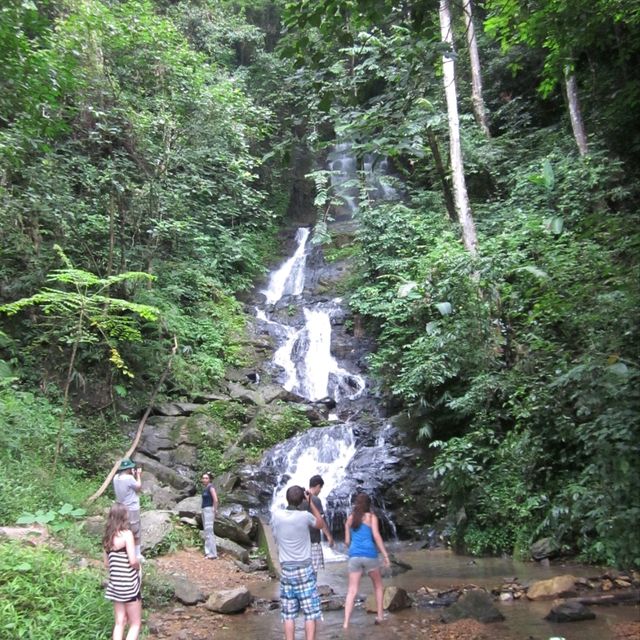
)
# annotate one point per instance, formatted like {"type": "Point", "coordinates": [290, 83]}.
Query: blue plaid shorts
{"type": "Point", "coordinates": [299, 591]}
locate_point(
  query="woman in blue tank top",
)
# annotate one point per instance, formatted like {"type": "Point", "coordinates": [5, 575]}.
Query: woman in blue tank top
{"type": "Point", "coordinates": [362, 536]}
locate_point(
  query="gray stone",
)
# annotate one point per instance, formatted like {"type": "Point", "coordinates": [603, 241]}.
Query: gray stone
{"type": "Point", "coordinates": [244, 395]}
{"type": "Point", "coordinates": [189, 507]}
{"type": "Point", "coordinates": [571, 611]}
{"type": "Point", "coordinates": [94, 525]}
{"type": "Point", "coordinates": [231, 548]}
{"type": "Point", "coordinates": [165, 475]}
{"type": "Point", "coordinates": [227, 528]}
{"type": "Point", "coordinates": [229, 601]}
{"type": "Point", "coordinates": [543, 548]}
{"type": "Point", "coordinates": [474, 604]}
{"type": "Point", "coordinates": [272, 392]}
{"type": "Point", "coordinates": [186, 591]}
{"type": "Point", "coordinates": [156, 526]}
{"type": "Point", "coordinates": [227, 482]}
{"type": "Point", "coordinates": [169, 409]}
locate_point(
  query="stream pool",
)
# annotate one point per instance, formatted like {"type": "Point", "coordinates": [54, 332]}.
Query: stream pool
{"type": "Point", "coordinates": [439, 569]}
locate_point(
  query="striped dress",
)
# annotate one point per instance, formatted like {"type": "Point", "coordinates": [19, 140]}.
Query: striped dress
{"type": "Point", "coordinates": [124, 580]}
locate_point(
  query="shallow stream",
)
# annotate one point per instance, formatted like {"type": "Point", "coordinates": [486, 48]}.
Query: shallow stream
{"type": "Point", "coordinates": [439, 569]}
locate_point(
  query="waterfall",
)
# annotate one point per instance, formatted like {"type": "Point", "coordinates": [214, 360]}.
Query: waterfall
{"type": "Point", "coordinates": [305, 364]}
{"type": "Point", "coordinates": [289, 278]}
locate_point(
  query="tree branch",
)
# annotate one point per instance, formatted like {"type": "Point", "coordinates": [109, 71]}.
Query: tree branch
{"type": "Point", "coordinates": [141, 424]}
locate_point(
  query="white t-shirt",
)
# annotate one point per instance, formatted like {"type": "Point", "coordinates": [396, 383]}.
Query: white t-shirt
{"type": "Point", "coordinates": [291, 530]}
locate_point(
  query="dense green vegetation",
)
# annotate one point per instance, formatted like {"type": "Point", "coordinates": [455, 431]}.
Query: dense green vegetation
{"type": "Point", "coordinates": [43, 596]}
{"type": "Point", "coordinates": [148, 151]}
{"type": "Point", "coordinates": [135, 205]}
{"type": "Point", "coordinates": [518, 365]}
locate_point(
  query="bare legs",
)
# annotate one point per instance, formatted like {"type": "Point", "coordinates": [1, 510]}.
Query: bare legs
{"type": "Point", "coordinates": [130, 612]}
{"type": "Point", "coordinates": [376, 578]}
{"type": "Point", "coordinates": [352, 592]}
{"type": "Point", "coordinates": [290, 629]}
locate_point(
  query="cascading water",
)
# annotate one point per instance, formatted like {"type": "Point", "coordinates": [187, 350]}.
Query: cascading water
{"type": "Point", "coordinates": [301, 323]}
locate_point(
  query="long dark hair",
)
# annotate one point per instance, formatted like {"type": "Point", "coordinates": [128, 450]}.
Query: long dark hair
{"type": "Point", "coordinates": [361, 505]}
{"type": "Point", "coordinates": [117, 520]}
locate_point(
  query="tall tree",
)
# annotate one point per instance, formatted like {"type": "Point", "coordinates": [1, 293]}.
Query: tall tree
{"type": "Point", "coordinates": [460, 194]}
{"type": "Point", "coordinates": [563, 29]}
{"type": "Point", "coordinates": [479, 108]}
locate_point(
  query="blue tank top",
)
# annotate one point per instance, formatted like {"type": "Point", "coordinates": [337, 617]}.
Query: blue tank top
{"type": "Point", "coordinates": [362, 544]}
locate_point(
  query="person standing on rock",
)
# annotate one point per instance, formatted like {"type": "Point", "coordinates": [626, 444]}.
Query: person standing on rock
{"type": "Point", "coordinates": [127, 484]}
{"type": "Point", "coordinates": [362, 536]}
{"type": "Point", "coordinates": [209, 508]}
{"type": "Point", "coordinates": [317, 556]}
{"type": "Point", "coordinates": [298, 584]}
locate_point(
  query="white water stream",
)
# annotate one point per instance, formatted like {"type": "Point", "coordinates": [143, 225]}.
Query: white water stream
{"type": "Point", "coordinates": [304, 357]}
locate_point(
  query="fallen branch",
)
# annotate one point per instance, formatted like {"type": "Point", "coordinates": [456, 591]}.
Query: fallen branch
{"type": "Point", "coordinates": [141, 424]}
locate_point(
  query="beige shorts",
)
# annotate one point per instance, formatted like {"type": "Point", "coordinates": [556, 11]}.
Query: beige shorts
{"type": "Point", "coordinates": [363, 565]}
{"type": "Point", "coordinates": [134, 524]}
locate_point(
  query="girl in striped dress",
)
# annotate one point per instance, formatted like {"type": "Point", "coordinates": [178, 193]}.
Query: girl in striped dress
{"type": "Point", "coordinates": [123, 566]}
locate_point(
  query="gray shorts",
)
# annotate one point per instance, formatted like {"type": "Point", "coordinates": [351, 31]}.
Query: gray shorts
{"type": "Point", "coordinates": [359, 564]}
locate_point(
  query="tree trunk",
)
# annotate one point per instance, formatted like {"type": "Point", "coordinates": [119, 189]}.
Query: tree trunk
{"type": "Point", "coordinates": [457, 167]}
{"type": "Point", "coordinates": [574, 111]}
{"type": "Point", "coordinates": [442, 175]}
{"type": "Point", "coordinates": [476, 77]}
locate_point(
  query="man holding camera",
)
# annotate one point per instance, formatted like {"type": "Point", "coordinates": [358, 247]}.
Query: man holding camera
{"type": "Point", "coordinates": [127, 484]}
{"type": "Point", "coordinates": [298, 584]}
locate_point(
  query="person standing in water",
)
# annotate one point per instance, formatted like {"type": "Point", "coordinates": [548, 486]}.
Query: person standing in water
{"type": "Point", "coordinates": [317, 556]}
{"type": "Point", "coordinates": [120, 560]}
{"type": "Point", "coordinates": [127, 485]}
{"type": "Point", "coordinates": [209, 508]}
{"type": "Point", "coordinates": [298, 584]}
{"type": "Point", "coordinates": [362, 536]}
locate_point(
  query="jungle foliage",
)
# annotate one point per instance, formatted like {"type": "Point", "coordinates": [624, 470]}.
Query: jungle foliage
{"type": "Point", "coordinates": [520, 366]}
{"type": "Point", "coordinates": [157, 138]}
{"type": "Point", "coordinates": [135, 203]}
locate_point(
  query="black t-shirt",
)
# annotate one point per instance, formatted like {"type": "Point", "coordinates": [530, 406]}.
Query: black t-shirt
{"type": "Point", "coordinates": [314, 533]}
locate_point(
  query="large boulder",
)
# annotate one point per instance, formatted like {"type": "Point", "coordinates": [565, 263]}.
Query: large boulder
{"type": "Point", "coordinates": [543, 548]}
{"type": "Point", "coordinates": [234, 550]}
{"type": "Point", "coordinates": [229, 601]}
{"type": "Point", "coordinates": [475, 604]}
{"type": "Point", "coordinates": [394, 599]}
{"type": "Point", "coordinates": [189, 507]}
{"type": "Point", "coordinates": [186, 591]}
{"type": "Point", "coordinates": [245, 396]}
{"type": "Point", "coordinates": [162, 496]}
{"type": "Point", "coordinates": [571, 611]}
{"type": "Point", "coordinates": [236, 513]}
{"type": "Point", "coordinates": [165, 475]}
{"type": "Point", "coordinates": [156, 527]}
{"type": "Point", "coordinates": [558, 587]}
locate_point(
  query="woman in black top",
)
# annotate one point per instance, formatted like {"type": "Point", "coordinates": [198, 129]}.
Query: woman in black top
{"type": "Point", "coordinates": [209, 506]}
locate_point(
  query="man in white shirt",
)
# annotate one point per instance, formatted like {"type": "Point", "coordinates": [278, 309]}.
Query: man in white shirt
{"type": "Point", "coordinates": [298, 585]}
{"type": "Point", "coordinates": [127, 484]}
